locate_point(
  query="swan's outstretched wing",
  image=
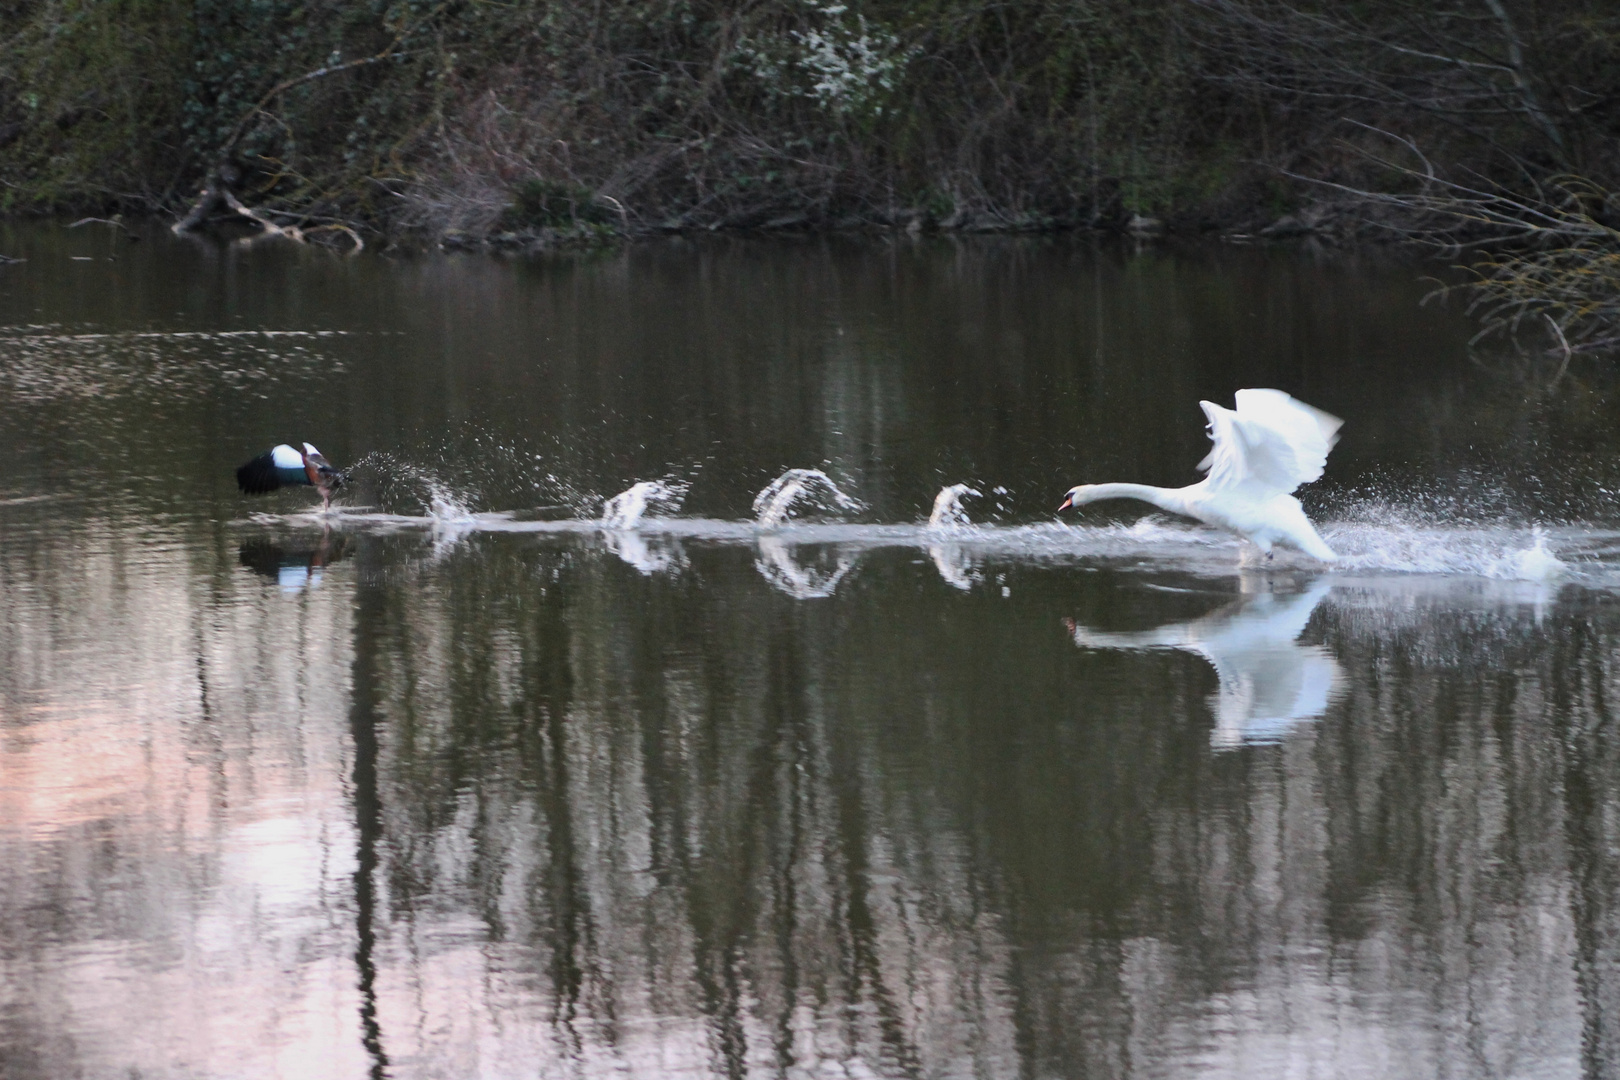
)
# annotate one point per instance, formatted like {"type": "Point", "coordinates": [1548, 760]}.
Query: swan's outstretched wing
{"type": "Point", "coordinates": [1270, 438]}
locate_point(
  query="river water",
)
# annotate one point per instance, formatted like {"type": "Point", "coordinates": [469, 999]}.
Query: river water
{"type": "Point", "coordinates": [766, 776]}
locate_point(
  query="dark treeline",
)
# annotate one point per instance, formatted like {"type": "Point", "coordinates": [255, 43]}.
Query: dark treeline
{"type": "Point", "coordinates": [452, 116]}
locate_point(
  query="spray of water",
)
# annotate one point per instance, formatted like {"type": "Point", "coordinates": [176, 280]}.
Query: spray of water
{"type": "Point", "coordinates": [948, 511]}
{"type": "Point", "coordinates": [399, 485]}
{"type": "Point", "coordinates": [626, 509]}
{"type": "Point", "coordinates": [444, 505]}
{"type": "Point", "coordinates": [1535, 563]}
{"type": "Point", "coordinates": [782, 497]}
{"type": "Point", "coordinates": [1399, 540]}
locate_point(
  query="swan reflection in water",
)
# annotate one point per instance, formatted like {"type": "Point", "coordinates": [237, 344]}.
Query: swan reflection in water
{"type": "Point", "coordinates": [294, 565]}
{"type": "Point", "coordinates": [1269, 681]}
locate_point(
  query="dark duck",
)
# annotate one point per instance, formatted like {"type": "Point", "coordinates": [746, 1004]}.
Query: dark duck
{"type": "Point", "coordinates": [286, 465]}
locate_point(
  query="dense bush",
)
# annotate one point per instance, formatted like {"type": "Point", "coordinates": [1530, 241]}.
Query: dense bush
{"type": "Point", "coordinates": [678, 113]}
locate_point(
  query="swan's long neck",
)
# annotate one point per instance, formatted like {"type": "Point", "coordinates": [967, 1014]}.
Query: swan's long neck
{"type": "Point", "coordinates": [1171, 499]}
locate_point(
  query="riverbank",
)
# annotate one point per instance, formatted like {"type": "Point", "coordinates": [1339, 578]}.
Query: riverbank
{"type": "Point", "coordinates": [543, 124]}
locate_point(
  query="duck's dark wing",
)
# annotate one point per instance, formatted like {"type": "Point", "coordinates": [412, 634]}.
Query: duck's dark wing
{"type": "Point", "coordinates": [259, 475]}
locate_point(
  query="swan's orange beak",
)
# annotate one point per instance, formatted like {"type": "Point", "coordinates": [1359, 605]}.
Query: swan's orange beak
{"type": "Point", "coordinates": [1068, 501]}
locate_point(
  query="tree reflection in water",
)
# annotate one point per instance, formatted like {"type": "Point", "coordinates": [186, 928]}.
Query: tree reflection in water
{"type": "Point", "coordinates": [522, 808]}
{"type": "Point", "coordinates": [905, 838]}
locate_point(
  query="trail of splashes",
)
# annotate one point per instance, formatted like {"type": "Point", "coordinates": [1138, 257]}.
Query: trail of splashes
{"type": "Point", "coordinates": [628, 507]}
{"type": "Point", "coordinates": [395, 478]}
{"type": "Point", "coordinates": [774, 505]}
{"type": "Point", "coordinates": [1497, 554]}
{"type": "Point", "coordinates": [948, 511]}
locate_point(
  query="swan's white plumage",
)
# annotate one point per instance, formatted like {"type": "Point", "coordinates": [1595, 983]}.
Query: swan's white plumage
{"type": "Point", "coordinates": [1271, 438]}
{"type": "Point", "coordinates": [1264, 449]}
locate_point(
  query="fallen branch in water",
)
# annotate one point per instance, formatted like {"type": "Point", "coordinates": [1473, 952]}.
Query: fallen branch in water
{"type": "Point", "coordinates": [217, 193]}
{"type": "Point", "coordinates": [359, 244]}
{"type": "Point", "coordinates": [207, 199]}
{"type": "Point", "coordinates": [291, 232]}
{"type": "Point", "coordinates": [114, 222]}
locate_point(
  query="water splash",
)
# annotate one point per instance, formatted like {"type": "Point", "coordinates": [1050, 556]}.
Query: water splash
{"type": "Point", "coordinates": [1394, 544]}
{"type": "Point", "coordinates": [450, 519]}
{"type": "Point", "coordinates": [554, 473]}
{"type": "Point", "coordinates": [774, 505]}
{"type": "Point", "coordinates": [626, 509]}
{"type": "Point", "coordinates": [1534, 563]}
{"type": "Point", "coordinates": [948, 511]}
{"type": "Point", "coordinates": [444, 506]}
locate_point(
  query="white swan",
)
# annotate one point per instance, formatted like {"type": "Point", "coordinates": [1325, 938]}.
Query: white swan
{"type": "Point", "coordinates": [1269, 682]}
{"type": "Point", "coordinates": [1267, 447]}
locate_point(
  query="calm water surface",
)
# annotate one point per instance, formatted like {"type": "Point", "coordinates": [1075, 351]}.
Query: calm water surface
{"type": "Point", "coordinates": [457, 782]}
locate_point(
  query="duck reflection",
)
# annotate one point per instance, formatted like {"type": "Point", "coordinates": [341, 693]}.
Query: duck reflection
{"type": "Point", "coordinates": [293, 564]}
{"type": "Point", "coordinates": [1269, 681]}
{"type": "Point", "coordinates": [810, 578]}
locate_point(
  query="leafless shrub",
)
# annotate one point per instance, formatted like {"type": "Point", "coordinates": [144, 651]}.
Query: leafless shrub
{"type": "Point", "coordinates": [1526, 83]}
{"type": "Point", "coordinates": [1550, 249]}
{"type": "Point", "coordinates": [1517, 98]}
{"type": "Point", "coordinates": [1575, 286]}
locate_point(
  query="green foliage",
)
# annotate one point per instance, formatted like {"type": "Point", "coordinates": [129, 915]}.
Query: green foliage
{"type": "Point", "coordinates": [83, 84]}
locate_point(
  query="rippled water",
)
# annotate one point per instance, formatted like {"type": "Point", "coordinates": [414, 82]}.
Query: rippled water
{"type": "Point", "coordinates": [695, 680]}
